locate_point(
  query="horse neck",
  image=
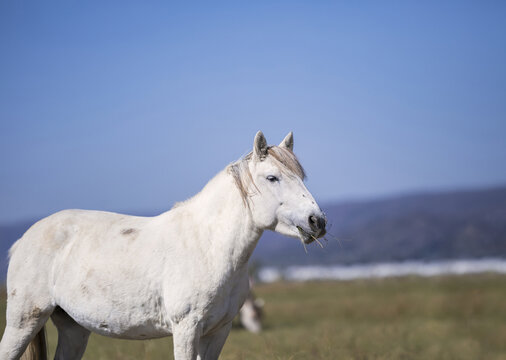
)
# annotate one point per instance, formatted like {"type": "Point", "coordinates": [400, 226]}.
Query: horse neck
{"type": "Point", "coordinates": [226, 226]}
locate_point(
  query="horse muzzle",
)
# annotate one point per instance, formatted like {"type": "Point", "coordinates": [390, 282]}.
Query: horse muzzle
{"type": "Point", "coordinates": [317, 225]}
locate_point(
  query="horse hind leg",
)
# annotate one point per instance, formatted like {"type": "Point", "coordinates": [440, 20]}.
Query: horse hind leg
{"type": "Point", "coordinates": [72, 337]}
{"type": "Point", "coordinates": [25, 322]}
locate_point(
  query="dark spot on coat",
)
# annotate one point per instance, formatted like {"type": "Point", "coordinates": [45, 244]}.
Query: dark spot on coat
{"type": "Point", "coordinates": [36, 312]}
{"type": "Point", "coordinates": [13, 293]}
{"type": "Point", "coordinates": [29, 317]}
{"type": "Point", "coordinates": [103, 326]}
{"type": "Point", "coordinates": [84, 289]}
{"type": "Point", "coordinates": [128, 231]}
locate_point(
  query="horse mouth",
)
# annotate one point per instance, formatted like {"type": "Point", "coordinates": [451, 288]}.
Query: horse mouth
{"type": "Point", "coordinates": [306, 237]}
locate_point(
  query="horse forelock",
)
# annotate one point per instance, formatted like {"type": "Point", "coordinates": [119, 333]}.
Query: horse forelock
{"type": "Point", "coordinates": [288, 160]}
{"type": "Point", "coordinates": [283, 157]}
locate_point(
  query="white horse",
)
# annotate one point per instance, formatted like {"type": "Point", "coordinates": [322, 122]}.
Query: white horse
{"type": "Point", "coordinates": [182, 273]}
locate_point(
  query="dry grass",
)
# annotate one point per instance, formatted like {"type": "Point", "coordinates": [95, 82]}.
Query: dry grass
{"type": "Point", "coordinates": [460, 317]}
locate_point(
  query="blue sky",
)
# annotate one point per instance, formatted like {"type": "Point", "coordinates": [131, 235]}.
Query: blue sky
{"type": "Point", "coordinates": [131, 106]}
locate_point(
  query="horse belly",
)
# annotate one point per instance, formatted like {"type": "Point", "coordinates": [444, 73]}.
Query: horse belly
{"type": "Point", "coordinates": [121, 300]}
{"type": "Point", "coordinates": [134, 316]}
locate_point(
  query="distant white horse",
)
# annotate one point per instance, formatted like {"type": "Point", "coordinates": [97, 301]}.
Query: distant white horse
{"type": "Point", "coordinates": [251, 313]}
{"type": "Point", "coordinates": [182, 273]}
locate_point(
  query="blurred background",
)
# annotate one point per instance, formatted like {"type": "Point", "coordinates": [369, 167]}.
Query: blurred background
{"type": "Point", "coordinates": [399, 116]}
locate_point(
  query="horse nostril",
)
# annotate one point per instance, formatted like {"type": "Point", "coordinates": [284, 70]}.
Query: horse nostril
{"type": "Point", "coordinates": [317, 223]}
{"type": "Point", "coordinates": [313, 223]}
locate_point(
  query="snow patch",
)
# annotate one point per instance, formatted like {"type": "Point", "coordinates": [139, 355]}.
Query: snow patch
{"type": "Point", "coordinates": [382, 270]}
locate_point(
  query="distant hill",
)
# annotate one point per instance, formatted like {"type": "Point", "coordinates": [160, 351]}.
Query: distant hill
{"type": "Point", "coordinates": [424, 226]}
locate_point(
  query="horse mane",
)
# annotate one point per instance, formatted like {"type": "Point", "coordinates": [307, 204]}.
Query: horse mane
{"type": "Point", "coordinates": [283, 157]}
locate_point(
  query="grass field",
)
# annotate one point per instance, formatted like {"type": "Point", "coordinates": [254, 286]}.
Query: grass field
{"type": "Point", "coordinates": [457, 317]}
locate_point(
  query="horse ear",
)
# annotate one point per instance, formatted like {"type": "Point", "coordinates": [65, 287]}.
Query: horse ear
{"type": "Point", "coordinates": [287, 141]}
{"type": "Point", "coordinates": [260, 146]}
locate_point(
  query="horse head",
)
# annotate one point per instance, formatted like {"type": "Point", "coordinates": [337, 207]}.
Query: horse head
{"type": "Point", "coordinates": [271, 180]}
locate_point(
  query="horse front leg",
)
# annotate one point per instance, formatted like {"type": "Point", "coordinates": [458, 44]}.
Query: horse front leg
{"type": "Point", "coordinates": [211, 345]}
{"type": "Point", "coordinates": [186, 335]}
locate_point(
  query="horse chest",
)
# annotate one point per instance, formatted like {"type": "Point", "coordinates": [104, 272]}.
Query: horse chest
{"type": "Point", "coordinates": [224, 306]}
{"type": "Point", "coordinates": [220, 315]}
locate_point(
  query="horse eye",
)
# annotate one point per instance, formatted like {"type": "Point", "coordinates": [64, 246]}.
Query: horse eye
{"type": "Point", "coordinates": [272, 178]}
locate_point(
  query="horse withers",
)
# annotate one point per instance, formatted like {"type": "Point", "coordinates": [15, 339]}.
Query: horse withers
{"type": "Point", "coordinates": [182, 273]}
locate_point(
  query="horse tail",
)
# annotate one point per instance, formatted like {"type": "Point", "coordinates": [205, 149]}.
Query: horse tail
{"type": "Point", "coordinates": [37, 349]}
